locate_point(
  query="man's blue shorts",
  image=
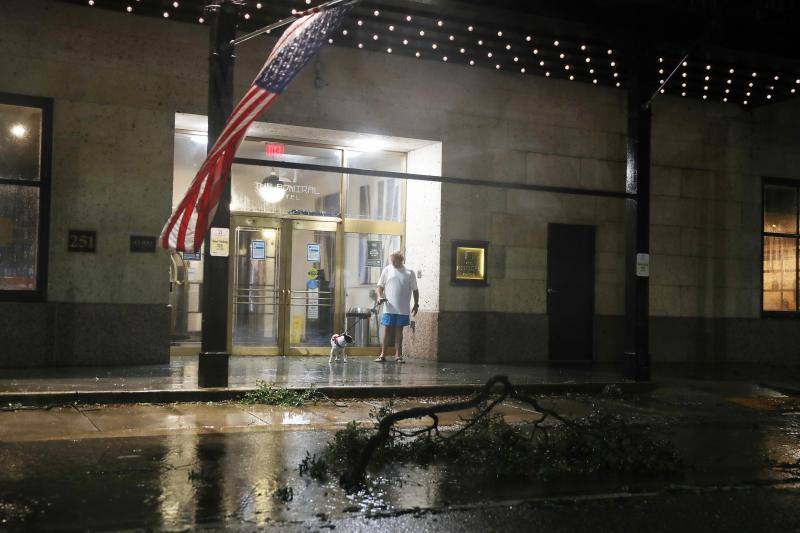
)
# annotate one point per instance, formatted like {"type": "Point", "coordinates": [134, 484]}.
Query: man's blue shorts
{"type": "Point", "coordinates": [389, 319]}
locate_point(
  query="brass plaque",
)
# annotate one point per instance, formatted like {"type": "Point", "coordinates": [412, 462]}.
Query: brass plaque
{"type": "Point", "coordinates": [470, 263]}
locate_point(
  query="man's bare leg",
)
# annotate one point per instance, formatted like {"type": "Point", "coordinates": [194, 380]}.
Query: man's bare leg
{"type": "Point", "coordinates": [384, 344]}
{"type": "Point", "coordinates": [398, 343]}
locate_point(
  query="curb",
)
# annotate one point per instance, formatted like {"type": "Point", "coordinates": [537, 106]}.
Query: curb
{"type": "Point", "coordinates": [54, 398]}
{"type": "Point", "coordinates": [791, 390]}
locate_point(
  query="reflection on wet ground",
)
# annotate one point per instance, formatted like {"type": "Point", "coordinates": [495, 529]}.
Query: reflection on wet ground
{"type": "Point", "coordinates": [215, 468]}
{"type": "Point", "coordinates": [244, 371]}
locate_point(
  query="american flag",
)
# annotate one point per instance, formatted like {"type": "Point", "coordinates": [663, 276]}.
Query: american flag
{"type": "Point", "coordinates": [188, 225]}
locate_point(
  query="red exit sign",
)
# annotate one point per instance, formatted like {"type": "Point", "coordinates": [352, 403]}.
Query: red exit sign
{"type": "Point", "coordinates": [273, 149]}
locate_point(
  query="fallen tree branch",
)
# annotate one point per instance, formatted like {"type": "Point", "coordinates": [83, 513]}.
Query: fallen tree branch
{"type": "Point", "coordinates": [353, 477]}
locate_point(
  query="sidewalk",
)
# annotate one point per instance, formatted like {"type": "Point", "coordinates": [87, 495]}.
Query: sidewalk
{"type": "Point", "coordinates": [360, 376]}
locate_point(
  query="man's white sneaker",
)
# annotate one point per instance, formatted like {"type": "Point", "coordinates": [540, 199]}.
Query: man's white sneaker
{"type": "Point", "coordinates": [380, 359]}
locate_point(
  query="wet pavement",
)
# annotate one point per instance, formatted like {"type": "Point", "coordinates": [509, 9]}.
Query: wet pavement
{"type": "Point", "coordinates": [297, 371]}
{"type": "Point", "coordinates": [218, 466]}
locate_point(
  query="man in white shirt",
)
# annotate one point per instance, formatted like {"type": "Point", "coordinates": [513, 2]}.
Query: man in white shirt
{"type": "Point", "coordinates": [395, 288]}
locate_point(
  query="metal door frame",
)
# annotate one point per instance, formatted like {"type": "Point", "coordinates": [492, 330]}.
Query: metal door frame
{"type": "Point", "coordinates": [285, 227]}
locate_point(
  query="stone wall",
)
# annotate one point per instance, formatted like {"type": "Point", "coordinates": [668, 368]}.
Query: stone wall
{"type": "Point", "coordinates": [117, 81]}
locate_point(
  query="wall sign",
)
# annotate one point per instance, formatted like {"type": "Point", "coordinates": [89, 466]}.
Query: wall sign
{"type": "Point", "coordinates": [220, 239]}
{"type": "Point", "coordinates": [258, 249]}
{"type": "Point", "coordinates": [191, 256]}
{"type": "Point", "coordinates": [468, 263]}
{"type": "Point", "coordinates": [312, 252]}
{"type": "Point", "coordinates": [643, 265]}
{"type": "Point", "coordinates": [374, 253]}
{"type": "Point", "coordinates": [143, 243]}
{"type": "Point", "coordinates": [79, 240]}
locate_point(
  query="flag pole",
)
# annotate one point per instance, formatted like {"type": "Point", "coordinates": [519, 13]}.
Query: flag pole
{"type": "Point", "coordinates": [289, 20]}
{"type": "Point", "coordinates": [665, 82]}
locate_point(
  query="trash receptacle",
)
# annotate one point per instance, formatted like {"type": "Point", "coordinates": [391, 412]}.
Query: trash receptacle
{"type": "Point", "coordinates": [358, 324]}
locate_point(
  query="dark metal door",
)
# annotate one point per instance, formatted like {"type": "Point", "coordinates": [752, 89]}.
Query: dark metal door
{"type": "Point", "coordinates": [570, 291]}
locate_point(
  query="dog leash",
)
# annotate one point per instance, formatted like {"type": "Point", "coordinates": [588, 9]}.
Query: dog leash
{"type": "Point", "coordinates": [373, 311]}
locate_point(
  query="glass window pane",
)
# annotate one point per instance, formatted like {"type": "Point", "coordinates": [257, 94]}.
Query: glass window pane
{"type": "Point", "coordinates": [190, 152]}
{"type": "Point", "coordinates": [19, 237]}
{"type": "Point", "coordinates": [780, 209]}
{"type": "Point", "coordinates": [20, 142]}
{"type": "Point", "coordinates": [780, 274]}
{"type": "Point", "coordinates": [365, 256]}
{"type": "Point", "coordinates": [371, 198]}
{"type": "Point", "coordinates": [290, 153]}
{"type": "Point", "coordinates": [285, 191]}
{"type": "Point", "coordinates": [289, 191]}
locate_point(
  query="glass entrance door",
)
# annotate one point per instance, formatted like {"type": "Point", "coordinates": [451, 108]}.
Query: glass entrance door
{"type": "Point", "coordinates": [257, 286]}
{"type": "Point", "coordinates": [312, 305]}
{"type": "Point", "coordinates": [284, 286]}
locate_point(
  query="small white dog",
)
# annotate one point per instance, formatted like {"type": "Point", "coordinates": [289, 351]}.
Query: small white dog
{"type": "Point", "coordinates": [339, 345]}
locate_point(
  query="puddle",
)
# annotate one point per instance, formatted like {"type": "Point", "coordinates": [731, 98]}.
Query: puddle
{"type": "Point", "coordinates": [185, 480]}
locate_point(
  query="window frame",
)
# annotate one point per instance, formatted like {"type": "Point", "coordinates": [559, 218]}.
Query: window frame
{"type": "Point", "coordinates": [781, 182]}
{"type": "Point", "coordinates": [44, 184]}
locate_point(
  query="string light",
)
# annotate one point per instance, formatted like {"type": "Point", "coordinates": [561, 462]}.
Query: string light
{"type": "Point", "coordinates": [502, 60]}
{"type": "Point", "coordinates": [91, 2]}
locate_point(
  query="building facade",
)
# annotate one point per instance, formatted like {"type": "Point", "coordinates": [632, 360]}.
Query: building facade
{"type": "Point", "coordinates": [723, 279]}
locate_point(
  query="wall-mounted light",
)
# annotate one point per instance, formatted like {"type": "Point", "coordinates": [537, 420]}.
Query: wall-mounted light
{"type": "Point", "coordinates": [19, 131]}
